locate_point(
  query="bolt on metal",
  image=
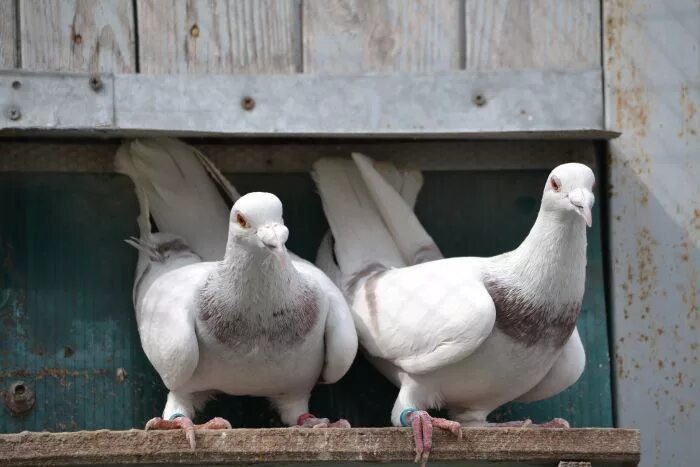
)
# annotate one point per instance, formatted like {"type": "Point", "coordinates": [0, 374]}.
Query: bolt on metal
{"type": "Point", "coordinates": [479, 100]}
{"type": "Point", "coordinates": [248, 103]}
{"type": "Point", "coordinates": [14, 113]}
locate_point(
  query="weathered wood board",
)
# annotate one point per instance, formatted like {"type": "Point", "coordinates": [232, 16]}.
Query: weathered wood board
{"type": "Point", "coordinates": [221, 36]}
{"type": "Point", "coordinates": [68, 323]}
{"type": "Point", "coordinates": [355, 36]}
{"type": "Point", "coordinates": [73, 35]}
{"type": "Point", "coordinates": [322, 447]}
{"type": "Point", "coordinates": [8, 34]}
{"type": "Point", "coordinates": [516, 34]}
{"type": "Point", "coordinates": [290, 36]}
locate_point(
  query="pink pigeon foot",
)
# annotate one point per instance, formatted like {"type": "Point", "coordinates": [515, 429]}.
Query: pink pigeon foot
{"type": "Point", "coordinates": [185, 424]}
{"type": "Point", "coordinates": [554, 423]}
{"type": "Point", "coordinates": [308, 420]}
{"type": "Point", "coordinates": [422, 424]}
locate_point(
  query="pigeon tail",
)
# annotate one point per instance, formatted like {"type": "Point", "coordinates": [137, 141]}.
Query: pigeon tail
{"type": "Point", "coordinates": [362, 240]}
{"type": "Point", "coordinates": [188, 197]}
{"type": "Point", "coordinates": [413, 241]}
{"type": "Point", "coordinates": [407, 182]}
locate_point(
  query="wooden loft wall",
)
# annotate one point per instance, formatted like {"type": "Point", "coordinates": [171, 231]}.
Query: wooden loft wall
{"type": "Point", "coordinates": [298, 36]}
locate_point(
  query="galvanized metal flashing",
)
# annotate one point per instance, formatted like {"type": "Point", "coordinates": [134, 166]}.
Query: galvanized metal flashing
{"type": "Point", "coordinates": [450, 104]}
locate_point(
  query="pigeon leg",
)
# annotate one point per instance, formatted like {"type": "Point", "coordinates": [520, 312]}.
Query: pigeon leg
{"type": "Point", "coordinates": [185, 424]}
{"type": "Point", "coordinates": [294, 411]}
{"type": "Point", "coordinates": [422, 424]}
{"type": "Point", "coordinates": [308, 420]}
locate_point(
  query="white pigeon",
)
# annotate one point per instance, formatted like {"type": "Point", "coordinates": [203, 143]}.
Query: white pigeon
{"type": "Point", "coordinates": [469, 334]}
{"type": "Point", "coordinates": [260, 321]}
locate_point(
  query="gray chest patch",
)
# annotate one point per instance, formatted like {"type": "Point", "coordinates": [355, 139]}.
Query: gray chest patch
{"type": "Point", "coordinates": [532, 324]}
{"type": "Point", "coordinates": [243, 328]}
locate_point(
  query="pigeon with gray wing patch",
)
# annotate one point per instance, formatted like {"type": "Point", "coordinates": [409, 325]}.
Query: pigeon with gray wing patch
{"type": "Point", "coordinates": [259, 321]}
{"type": "Point", "coordinates": [469, 334]}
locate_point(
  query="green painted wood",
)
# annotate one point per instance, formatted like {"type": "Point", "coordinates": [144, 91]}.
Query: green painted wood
{"type": "Point", "coordinates": [67, 325]}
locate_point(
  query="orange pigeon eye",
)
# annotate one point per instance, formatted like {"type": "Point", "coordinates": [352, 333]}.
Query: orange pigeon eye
{"type": "Point", "coordinates": [241, 221]}
{"type": "Point", "coordinates": [555, 183]}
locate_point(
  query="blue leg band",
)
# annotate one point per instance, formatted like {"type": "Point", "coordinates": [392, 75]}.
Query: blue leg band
{"type": "Point", "coordinates": [403, 418]}
{"type": "Point", "coordinates": [175, 415]}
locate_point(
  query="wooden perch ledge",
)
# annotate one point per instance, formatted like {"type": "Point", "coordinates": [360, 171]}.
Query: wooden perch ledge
{"type": "Point", "coordinates": [318, 446]}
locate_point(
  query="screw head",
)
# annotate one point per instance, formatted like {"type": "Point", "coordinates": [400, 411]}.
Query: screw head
{"type": "Point", "coordinates": [248, 103]}
{"type": "Point", "coordinates": [95, 82]}
{"type": "Point", "coordinates": [16, 84]}
{"type": "Point", "coordinates": [194, 31]}
{"type": "Point", "coordinates": [14, 114]}
{"type": "Point", "coordinates": [479, 100]}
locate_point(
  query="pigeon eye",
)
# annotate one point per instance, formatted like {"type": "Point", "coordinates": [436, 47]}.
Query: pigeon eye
{"type": "Point", "coordinates": [555, 183]}
{"type": "Point", "coordinates": [241, 221]}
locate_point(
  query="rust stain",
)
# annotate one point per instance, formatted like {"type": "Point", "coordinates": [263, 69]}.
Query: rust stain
{"type": "Point", "coordinates": [646, 268]}
{"type": "Point", "coordinates": [689, 110]}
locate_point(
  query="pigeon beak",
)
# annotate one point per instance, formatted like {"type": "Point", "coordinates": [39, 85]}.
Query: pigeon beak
{"type": "Point", "coordinates": [274, 236]}
{"type": "Point", "coordinates": [582, 200]}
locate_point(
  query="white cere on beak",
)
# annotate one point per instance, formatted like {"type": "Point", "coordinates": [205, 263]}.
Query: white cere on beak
{"type": "Point", "coordinates": [582, 200]}
{"type": "Point", "coordinates": [273, 235]}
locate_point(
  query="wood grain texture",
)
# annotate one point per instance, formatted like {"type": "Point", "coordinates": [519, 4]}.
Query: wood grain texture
{"type": "Point", "coordinates": [323, 446]}
{"type": "Point", "coordinates": [8, 34]}
{"type": "Point", "coordinates": [355, 36]}
{"type": "Point", "coordinates": [512, 34]}
{"type": "Point", "coordinates": [219, 36]}
{"type": "Point", "coordinates": [78, 35]}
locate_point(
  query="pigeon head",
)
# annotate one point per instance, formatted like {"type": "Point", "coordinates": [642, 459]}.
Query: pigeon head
{"type": "Point", "coordinates": [256, 218]}
{"type": "Point", "coordinates": [569, 188]}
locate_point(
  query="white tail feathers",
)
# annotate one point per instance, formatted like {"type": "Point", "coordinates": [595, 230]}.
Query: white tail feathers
{"type": "Point", "coordinates": [408, 182]}
{"type": "Point", "coordinates": [179, 185]}
{"type": "Point", "coordinates": [412, 240]}
{"type": "Point", "coordinates": [361, 238]}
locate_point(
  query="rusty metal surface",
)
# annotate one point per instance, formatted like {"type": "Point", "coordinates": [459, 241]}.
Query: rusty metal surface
{"type": "Point", "coordinates": [652, 90]}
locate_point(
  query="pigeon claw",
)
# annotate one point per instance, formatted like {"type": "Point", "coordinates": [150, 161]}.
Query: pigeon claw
{"type": "Point", "coordinates": [185, 424]}
{"type": "Point", "coordinates": [308, 420]}
{"type": "Point", "coordinates": [422, 424]}
{"type": "Point", "coordinates": [180, 423]}
{"type": "Point", "coordinates": [554, 423]}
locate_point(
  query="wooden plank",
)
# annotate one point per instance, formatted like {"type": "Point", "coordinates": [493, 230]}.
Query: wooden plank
{"type": "Point", "coordinates": [323, 446]}
{"type": "Point", "coordinates": [234, 156]}
{"type": "Point", "coordinates": [354, 36]}
{"type": "Point", "coordinates": [516, 34]}
{"type": "Point", "coordinates": [219, 36]}
{"type": "Point", "coordinates": [8, 34]}
{"type": "Point", "coordinates": [74, 35]}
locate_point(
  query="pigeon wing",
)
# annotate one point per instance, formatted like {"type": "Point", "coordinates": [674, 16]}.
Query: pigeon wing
{"type": "Point", "coordinates": [340, 337]}
{"type": "Point", "coordinates": [424, 317]}
{"type": "Point", "coordinates": [168, 314]}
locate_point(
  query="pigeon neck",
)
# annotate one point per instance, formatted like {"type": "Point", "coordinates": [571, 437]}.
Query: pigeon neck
{"type": "Point", "coordinates": [256, 272]}
{"type": "Point", "coordinates": [551, 262]}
